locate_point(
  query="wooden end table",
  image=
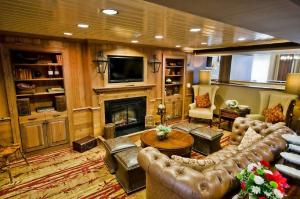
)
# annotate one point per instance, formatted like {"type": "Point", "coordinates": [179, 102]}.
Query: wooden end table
{"type": "Point", "coordinates": [177, 142]}
{"type": "Point", "coordinates": [229, 114]}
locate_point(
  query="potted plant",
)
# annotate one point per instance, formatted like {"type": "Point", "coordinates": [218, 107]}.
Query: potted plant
{"type": "Point", "coordinates": [162, 131]}
{"type": "Point", "coordinates": [258, 181]}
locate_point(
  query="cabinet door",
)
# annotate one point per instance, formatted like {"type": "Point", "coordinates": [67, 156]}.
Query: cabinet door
{"type": "Point", "coordinates": [33, 136]}
{"type": "Point", "coordinates": [177, 108]}
{"type": "Point", "coordinates": [169, 108]}
{"type": "Point", "coordinates": [57, 131]}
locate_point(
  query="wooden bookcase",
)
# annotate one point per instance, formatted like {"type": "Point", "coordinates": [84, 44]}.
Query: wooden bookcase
{"type": "Point", "coordinates": [44, 126]}
{"type": "Point", "coordinates": [173, 84]}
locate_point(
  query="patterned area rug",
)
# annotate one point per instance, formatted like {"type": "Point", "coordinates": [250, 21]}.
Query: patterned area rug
{"type": "Point", "coordinates": [68, 174]}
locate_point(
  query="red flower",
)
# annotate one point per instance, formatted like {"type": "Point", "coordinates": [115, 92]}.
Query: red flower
{"type": "Point", "coordinates": [265, 163]}
{"type": "Point", "coordinates": [262, 197]}
{"type": "Point", "coordinates": [243, 185]}
{"type": "Point", "coordinates": [269, 177]}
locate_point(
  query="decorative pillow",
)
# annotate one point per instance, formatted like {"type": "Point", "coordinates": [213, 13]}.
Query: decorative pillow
{"type": "Point", "coordinates": [294, 148]}
{"type": "Point", "coordinates": [249, 138]}
{"type": "Point", "coordinates": [198, 165]}
{"type": "Point", "coordinates": [291, 157]}
{"type": "Point", "coordinates": [275, 114]}
{"type": "Point", "coordinates": [202, 101]}
{"type": "Point", "coordinates": [294, 139]}
{"type": "Point", "coordinates": [289, 171]}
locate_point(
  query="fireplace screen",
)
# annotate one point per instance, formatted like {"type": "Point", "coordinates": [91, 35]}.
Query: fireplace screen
{"type": "Point", "coordinates": [127, 114]}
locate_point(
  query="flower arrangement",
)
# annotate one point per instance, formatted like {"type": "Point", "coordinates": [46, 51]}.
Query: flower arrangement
{"type": "Point", "coordinates": [162, 131]}
{"type": "Point", "coordinates": [259, 182]}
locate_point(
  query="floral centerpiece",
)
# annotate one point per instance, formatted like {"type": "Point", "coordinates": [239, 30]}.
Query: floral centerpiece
{"type": "Point", "coordinates": [162, 131]}
{"type": "Point", "coordinates": [259, 182]}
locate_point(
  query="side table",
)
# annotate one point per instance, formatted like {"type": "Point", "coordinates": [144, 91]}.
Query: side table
{"type": "Point", "coordinates": [229, 114]}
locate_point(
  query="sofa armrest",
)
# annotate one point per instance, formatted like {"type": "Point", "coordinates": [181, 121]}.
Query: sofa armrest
{"type": "Point", "coordinates": [192, 106]}
{"type": "Point", "coordinates": [181, 180]}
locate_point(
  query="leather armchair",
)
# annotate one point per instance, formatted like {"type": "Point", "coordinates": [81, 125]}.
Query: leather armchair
{"type": "Point", "coordinates": [167, 179]}
{"type": "Point", "coordinates": [203, 113]}
{"type": "Point", "coordinates": [269, 99]}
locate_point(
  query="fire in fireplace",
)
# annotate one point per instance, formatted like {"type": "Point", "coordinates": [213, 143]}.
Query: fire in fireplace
{"type": "Point", "coordinates": [127, 114]}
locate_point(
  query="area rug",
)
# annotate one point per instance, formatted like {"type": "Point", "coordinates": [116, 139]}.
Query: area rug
{"type": "Point", "coordinates": [68, 174]}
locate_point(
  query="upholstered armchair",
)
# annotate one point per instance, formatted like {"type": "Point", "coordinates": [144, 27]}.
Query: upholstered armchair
{"type": "Point", "coordinates": [269, 99]}
{"type": "Point", "coordinates": [203, 113]}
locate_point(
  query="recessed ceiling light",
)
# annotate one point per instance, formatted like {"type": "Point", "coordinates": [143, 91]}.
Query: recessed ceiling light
{"type": "Point", "coordinates": [134, 41]}
{"type": "Point", "coordinates": [159, 36]}
{"type": "Point", "coordinates": [195, 29]}
{"type": "Point", "coordinates": [83, 25]}
{"type": "Point", "coordinates": [178, 46]}
{"type": "Point", "coordinates": [241, 39]}
{"type": "Point", "coordinates": [203, 43]}
{"type": "Point", "coordinates": [109, 11]}
{"type": "Point", "coordinates": [68, 33]}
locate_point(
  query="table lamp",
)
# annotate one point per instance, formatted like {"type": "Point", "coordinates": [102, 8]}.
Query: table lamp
{"type": "Point", "coordinates": [292, 84]}
{"type": "Point", "coordinates": [204, 77]}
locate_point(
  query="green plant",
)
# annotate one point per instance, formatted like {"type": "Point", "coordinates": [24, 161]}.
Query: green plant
{"type": "Point", "coordinates": [163, 130]}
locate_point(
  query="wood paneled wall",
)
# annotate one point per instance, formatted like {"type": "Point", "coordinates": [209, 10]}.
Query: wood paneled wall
{"type": "Point", "coordinates": [84, 110]}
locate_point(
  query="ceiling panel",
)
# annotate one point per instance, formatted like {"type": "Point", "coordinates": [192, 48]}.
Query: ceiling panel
{"type": "Point", "coordinates": [137, 19]}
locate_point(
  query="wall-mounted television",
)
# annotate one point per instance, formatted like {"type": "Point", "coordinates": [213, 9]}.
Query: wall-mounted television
{"type": "Point", "coordinates": [125, 69]}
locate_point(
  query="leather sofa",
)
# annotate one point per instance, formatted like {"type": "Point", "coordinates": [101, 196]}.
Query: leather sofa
{"type": "Point", "coordinates": [167, 179]}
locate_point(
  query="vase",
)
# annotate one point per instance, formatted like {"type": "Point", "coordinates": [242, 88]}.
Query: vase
{"type": "Point", "coordinates": [161, 136]}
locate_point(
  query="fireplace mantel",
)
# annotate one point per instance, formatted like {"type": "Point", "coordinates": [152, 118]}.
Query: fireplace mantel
{"type": "Point", "coordinates": [122, 88]}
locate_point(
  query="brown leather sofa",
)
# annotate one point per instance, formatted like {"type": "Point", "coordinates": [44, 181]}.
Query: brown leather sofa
{"type": "Point", "coordinates": [167, 179]}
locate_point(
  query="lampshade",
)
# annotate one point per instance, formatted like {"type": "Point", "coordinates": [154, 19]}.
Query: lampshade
{"type": "Point", "coordinates": [292, 84]}
{"type": "Point", "coordinates": [204, 77]}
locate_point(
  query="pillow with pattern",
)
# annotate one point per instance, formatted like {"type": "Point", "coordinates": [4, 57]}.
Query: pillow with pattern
{"type": "Point", "coordinates": [202, 101]}
{"type": "Point", "coordinates": [275, 114]}
{"type": "Point", "coordinates": [198, 165]}
{"type": "Point", "coordinates": [249, 138]}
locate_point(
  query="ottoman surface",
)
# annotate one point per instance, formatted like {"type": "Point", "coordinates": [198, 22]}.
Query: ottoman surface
{"type": "Point", "coordinates": [207, 133]}
{"type": "Point", "coordinates": [113, 146]}
{"type": "Point", "coordinates": [186, 127]}
{"type": "Point", "coordinates": [129, 173]}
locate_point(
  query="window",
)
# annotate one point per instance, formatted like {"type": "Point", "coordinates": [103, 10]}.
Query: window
{"type": "Point", "coordinates": [263, 67]}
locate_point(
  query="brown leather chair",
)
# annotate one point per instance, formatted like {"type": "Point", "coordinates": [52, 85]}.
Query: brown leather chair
{"type": "Point", "coordinates": [166, 178]}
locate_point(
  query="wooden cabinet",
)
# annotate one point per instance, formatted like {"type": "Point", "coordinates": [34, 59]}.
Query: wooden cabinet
{"type": "Point", "coordinates": [57, 132]}
{"type": "Point", "coordinates": [33, 136]}
{"type": "Point", "coordinates": [44, 130]}
{"type": "Point", "coordinates": [173, 107]}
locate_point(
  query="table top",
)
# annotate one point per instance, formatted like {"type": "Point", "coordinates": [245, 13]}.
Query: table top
{"type": "Point", "coordinates": [176, 140]}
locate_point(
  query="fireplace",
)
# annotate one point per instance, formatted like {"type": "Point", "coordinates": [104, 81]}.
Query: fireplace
{"type": "Point", "coordinates": [127, 114]}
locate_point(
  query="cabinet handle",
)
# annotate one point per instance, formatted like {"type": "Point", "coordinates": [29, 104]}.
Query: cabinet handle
{"type": "Point", "coordinates": [56, 115]}
{"type": "Point", "coordinates": [34, 118]}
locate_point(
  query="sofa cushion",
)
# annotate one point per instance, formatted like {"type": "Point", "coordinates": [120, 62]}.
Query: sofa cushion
{"type": "Point", "coordinates": [203, 101]}
{"type": "Point", "coordinates": [249, 138]}
{"type": "Point", "coordinates": [275, 114]}
{"type": "Point", "coordinates": [204, 113]}
{"type": "Point", "coordinates": [198, 165]}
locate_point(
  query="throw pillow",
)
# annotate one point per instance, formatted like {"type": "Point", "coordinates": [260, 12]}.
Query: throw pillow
{"type": "Point", "coordinates": [249, 138]}
{"type": "Point", "coordinates": [198, 165]}
{"type": "Point", "coordinates": [202, 101]}
{"type": "Point", "coordinates": [274, 115]}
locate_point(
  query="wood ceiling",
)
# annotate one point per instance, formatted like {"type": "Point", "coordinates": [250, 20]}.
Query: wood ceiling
{"type": "Point", "coordinates": [137, 20]}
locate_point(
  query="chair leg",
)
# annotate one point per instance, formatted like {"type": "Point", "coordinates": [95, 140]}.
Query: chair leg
{"type": "Point", "coordinates": [8, 170]}
{"type": "Point", "coordinates": [24, 157]}
{"type": "Point", "coordinates": [210, 123]}
{"type": "Point", "coordinates": [190, 119]}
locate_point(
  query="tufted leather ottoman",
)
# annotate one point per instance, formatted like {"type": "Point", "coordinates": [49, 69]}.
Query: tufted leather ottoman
{"type": "Point", "coordinates": [113, 146]}
{"type": "Point", "coordinates": [206, 140]}
{"type": "Point", "coordinates": [129, 173]}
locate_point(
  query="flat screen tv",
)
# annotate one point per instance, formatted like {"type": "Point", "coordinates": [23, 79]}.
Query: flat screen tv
{"type": "Point", "coordinates": [125, 69]}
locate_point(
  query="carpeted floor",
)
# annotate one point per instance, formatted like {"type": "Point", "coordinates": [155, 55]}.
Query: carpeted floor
{"type": "Point", "coordinates": [68, 174]}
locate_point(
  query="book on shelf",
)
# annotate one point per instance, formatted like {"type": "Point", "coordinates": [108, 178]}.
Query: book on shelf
{"type": "Point", "coordinates": [22, 74]}
{"type": "Point", "coordinates": [56, 90]}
